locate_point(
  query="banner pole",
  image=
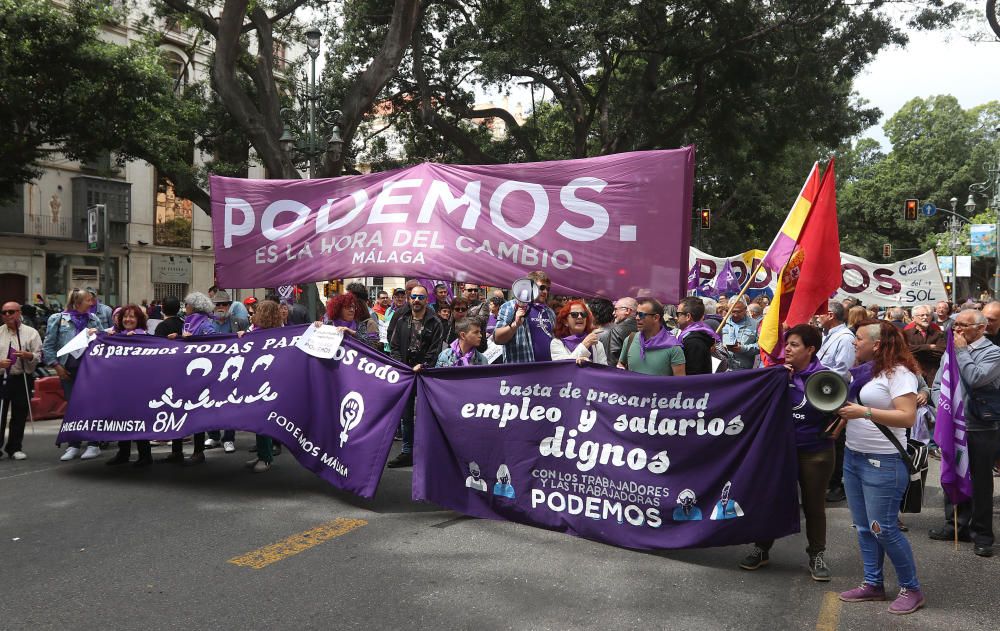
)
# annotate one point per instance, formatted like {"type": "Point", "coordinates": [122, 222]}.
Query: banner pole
{"type": "Point", "coordinates": [954, 508]}
{"type": "Point", "coordinates": [733, 302]}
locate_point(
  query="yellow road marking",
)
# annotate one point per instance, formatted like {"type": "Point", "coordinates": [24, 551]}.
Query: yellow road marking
{"type": "Point", "coordinates": [262, 557]}
{"type": "Point", "coordinates": [829, 613]}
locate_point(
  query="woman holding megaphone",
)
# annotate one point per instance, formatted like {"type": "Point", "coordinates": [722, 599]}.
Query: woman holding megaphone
{"type": "Point", "coordinates": [815, 449]}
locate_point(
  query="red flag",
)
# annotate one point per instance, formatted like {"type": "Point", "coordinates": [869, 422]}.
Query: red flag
{"type": "Point", "coordinates": [814, 269]}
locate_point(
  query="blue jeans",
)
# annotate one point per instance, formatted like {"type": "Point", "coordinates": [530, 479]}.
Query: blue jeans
{"type": "Point", "coordinates": [874, 492]}
{"type": "Point", "coordinates": [408, 424]}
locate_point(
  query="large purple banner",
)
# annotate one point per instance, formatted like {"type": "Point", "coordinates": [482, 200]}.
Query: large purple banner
{"type": "Point", "coordinates": [630, 460]}
{"type": "Point", "coordinates": [616, 225]}
{"type": "Point", "coordinates": [336, 416]}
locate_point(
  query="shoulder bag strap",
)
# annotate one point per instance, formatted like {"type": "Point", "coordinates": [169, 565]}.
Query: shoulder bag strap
{"type": "Point", "coordinates": [623, 358]}
{"type": "Point", "coordinates": [895, 442]}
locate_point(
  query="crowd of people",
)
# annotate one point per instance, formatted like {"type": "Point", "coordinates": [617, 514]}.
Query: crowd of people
{"type": "Point", "coordinates": [890, 357]}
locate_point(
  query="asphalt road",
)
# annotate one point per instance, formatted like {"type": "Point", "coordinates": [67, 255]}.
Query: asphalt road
{"type": "Point", "coordinates": [87, 546]}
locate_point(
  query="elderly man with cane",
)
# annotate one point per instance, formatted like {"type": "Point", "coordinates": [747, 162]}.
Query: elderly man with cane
{"type": "Point", "coordinates": [20, 352]}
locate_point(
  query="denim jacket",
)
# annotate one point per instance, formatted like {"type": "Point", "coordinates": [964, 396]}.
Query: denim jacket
{"type": "Point", "coordinates": [58, 332]}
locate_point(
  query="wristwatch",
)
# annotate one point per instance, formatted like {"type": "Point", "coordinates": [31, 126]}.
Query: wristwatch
{"type": "Point", "coordinates": [868, 413]}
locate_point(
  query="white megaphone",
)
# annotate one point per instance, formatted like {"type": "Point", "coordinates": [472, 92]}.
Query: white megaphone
{"type": "Point", "coordinates": [525, 291]}
{"type": "Point", "coordinates": [826, 391]}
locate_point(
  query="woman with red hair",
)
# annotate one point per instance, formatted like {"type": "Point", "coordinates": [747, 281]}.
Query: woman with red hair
{"type": "Point", "coordinates": [883, 395]}
{"type": "Point", "coordinates": [131, 320]}
{"type": "Point", "coordinates": [344, 312]}
{"type": "Point", "coordinates": [574, 336]}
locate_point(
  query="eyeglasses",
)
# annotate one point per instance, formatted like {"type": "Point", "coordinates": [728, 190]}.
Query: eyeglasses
{"type": "Point", "coordinates": [10, 311]}
{"type": "Point", "coordinates": [959, 325]}
{"type": "Point", "coordinates": [543, 288]}
{"type": "Point", "coordinates": [418, 297]}
{"type": "Point", "coordinates": [623, 308]}
{"type": "Point", "coordinates": [460, 309]}
{"type": "Point", "coordinates": [639, 315]}
{"type": "Point", "coordinates": [680, 313]}
{"type": "Point", "coordinates": [472, 289]}
{"type": "Point", "coordinates": [579, 315]}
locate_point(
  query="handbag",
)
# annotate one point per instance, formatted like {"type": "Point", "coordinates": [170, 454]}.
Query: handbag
{"type": "Point", "coordinates": [915, 456]}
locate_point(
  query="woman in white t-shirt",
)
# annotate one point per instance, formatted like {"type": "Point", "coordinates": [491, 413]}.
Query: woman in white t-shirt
{"type": "Point", "coordinates": [875, 474]}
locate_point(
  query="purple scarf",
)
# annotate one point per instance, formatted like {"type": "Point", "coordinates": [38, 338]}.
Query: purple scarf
{"type": "Point", "coordinates": [704, 328]}
{"type": "Point", "coordinates": [351, 325]}
{"type": "Point", "coordinates": [491, 325]}
{"type": "Point", "coordinates": [78, 319]}
{"type": "Point", "coordinates": [463, 360]}
{"type": "Point", "coordinates": [799, 377]}
{"type": "Point", "coordinates": [194, 322]}
{"type": "Point", "coordinates": [860, 376]}
{"type": "Point", "coordinates": [663, 339]}
{"type": "Point", "coordinates": [572, 341]}
{"type": "Point", "coordinates": [541, 338]}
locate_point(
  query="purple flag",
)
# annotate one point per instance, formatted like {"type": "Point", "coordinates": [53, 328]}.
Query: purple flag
{"type": "Point", "coordinates": [724, 283]}
{"type": "Point", "coordinates": [336, 416]}
{"type": "Point", "coordinates": [627, 459]}
{"type": "Point", "coordinates": [493, 223]}
{"type": "Point", "coordinates": [693, 277]}
{"type": "Point", "coordinates": [950, 429]}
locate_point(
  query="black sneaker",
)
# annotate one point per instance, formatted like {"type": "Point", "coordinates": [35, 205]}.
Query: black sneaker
{"type": "Point", "coordinates": [757, 558]}
{"type": "Point", "coordinates": [402, 460]}
{"type": "Point", "coordinates": [818, 568]}
{"type": "Point", "coordinates": [837, 494]}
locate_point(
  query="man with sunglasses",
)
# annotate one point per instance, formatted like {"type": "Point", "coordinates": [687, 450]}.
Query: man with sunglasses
{"type": "Point", "coordinates": [525, 331]}
{"type": "Point", "coordinates": [416, 340]}
{"type": "Point", "coordinates": [653, 349]}
{"type": "Point", "coordinates": [20, 352]}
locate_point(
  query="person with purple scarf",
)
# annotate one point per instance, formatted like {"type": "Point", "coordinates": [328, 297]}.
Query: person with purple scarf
{"type": "Point", "coordinates": [197, 323]}
{"type": "Point", "coordinates": [525, 330]}
{"type": "Point", "coordinates": [345, 312]}
{"type": "Point", "coordinates": [697, 337]}
{"type": "Point", "coordinates": [60, 329]}
{"type": "Point", "coordinates": [653, 349]}
{"type": "Point", "coordinates": [463, 349]}
{"type": "Point", "coordinates": [131, 320]}
{"type": "Point", "coordinates": [814, 447]}
{"type": "Point", "coordinates": [575, 337]}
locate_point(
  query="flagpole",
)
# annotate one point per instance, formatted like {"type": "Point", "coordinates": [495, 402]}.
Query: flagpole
{"type": "Point", "coordinates": [733, 302]}
{"type": "Point", "coordinates": [954, 508]}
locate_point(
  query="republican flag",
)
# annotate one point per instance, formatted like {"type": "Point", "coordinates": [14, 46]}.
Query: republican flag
{"type": "Point", "coordinates": [950, 431]}
{"type": "Point", "coordinates": [785, 241]}
{"type": "Point", "coordinates": [811, 273]}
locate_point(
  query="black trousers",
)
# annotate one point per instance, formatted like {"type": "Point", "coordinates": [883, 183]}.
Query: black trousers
{"type": "Point", "coordinates": [976, 517]}
{"type": "Point", "coordinates": [15, 405]}
{"type": "Point", "coordinates": [142, 446]}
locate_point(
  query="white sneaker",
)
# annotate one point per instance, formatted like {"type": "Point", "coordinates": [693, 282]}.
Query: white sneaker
{"type": "Point", "coordinates": [229, 446]}
{"type": "Point", "coordinates": [91, 452]}
{"type": "Point", "coordinates": [19, 455]}
{"type": "Point", "coordinates": [71, 452]}
{"type": "Point", "coordinates": [210, 443]}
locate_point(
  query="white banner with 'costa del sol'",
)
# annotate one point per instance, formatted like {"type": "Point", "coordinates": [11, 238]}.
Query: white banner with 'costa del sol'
{"type": "Point", "coordinates": [905, 283]}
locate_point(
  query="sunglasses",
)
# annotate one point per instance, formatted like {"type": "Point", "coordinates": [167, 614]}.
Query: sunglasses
{"type": "Point", "coordinates": [680, 313]}
{"type": "Point", "coordinates": [639, 315]}
{"type": "Point", "coordinates": [418, 297]}
{"type": "Point", "coordinates": [578, 315]}
{"type": "Point", "coordinates": [460, 309]}
{"type": "Point", "coordinates": [10, 311]}
{"type": "Point", "coordinates": [543, 288]}
{"type": "Point", "coordinates": [472, 290]}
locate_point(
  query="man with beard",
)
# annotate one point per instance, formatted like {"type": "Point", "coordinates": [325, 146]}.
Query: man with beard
{"type": "Point", "coordinates": [697, 337]}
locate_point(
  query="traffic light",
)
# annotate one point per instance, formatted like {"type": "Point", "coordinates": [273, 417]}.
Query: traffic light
{"type": "Point", "coordinates": [910, 209]}
{"type": "Point", "coordinates": [706, 218]}
{"type": "Point", "coordinates": [887, 250]}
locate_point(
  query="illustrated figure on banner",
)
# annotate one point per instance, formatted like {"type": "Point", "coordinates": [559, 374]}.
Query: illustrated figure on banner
{"type": "Point", "coordinates": [687, 509]}
{"type": "Point", "coordinates": [474, 481]}
{"type": "Point", "coordinates": [503, 486]}
{"type": "Point", "coordinates": [726, 508]}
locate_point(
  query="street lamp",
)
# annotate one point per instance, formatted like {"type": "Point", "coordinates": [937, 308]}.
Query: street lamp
{"type": "Point", "coordinates": [308, 150]}
{"type": "Point", "coordinates": [954, 248]}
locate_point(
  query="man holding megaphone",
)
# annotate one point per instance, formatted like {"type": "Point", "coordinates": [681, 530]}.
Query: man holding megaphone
{"type": "Point", "coordinates": [811, 416]}
{"type": "Point", "coordinates": [525, 324]}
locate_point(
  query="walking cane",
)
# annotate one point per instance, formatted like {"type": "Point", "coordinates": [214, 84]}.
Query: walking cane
{"type": "Point", "coordinates": [27, 397]}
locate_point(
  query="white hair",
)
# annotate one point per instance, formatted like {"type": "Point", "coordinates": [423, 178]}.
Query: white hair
{"type": "Point", "coordinates": [199, 302]}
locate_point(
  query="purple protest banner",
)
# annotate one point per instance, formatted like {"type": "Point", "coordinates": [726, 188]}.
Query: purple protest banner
{"type": "Point", "coordinates": [634, 461]}
{"type": "Point", "coordinates": [616, 225]}
{"type": "Point", "coordinates": [336, 416]}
